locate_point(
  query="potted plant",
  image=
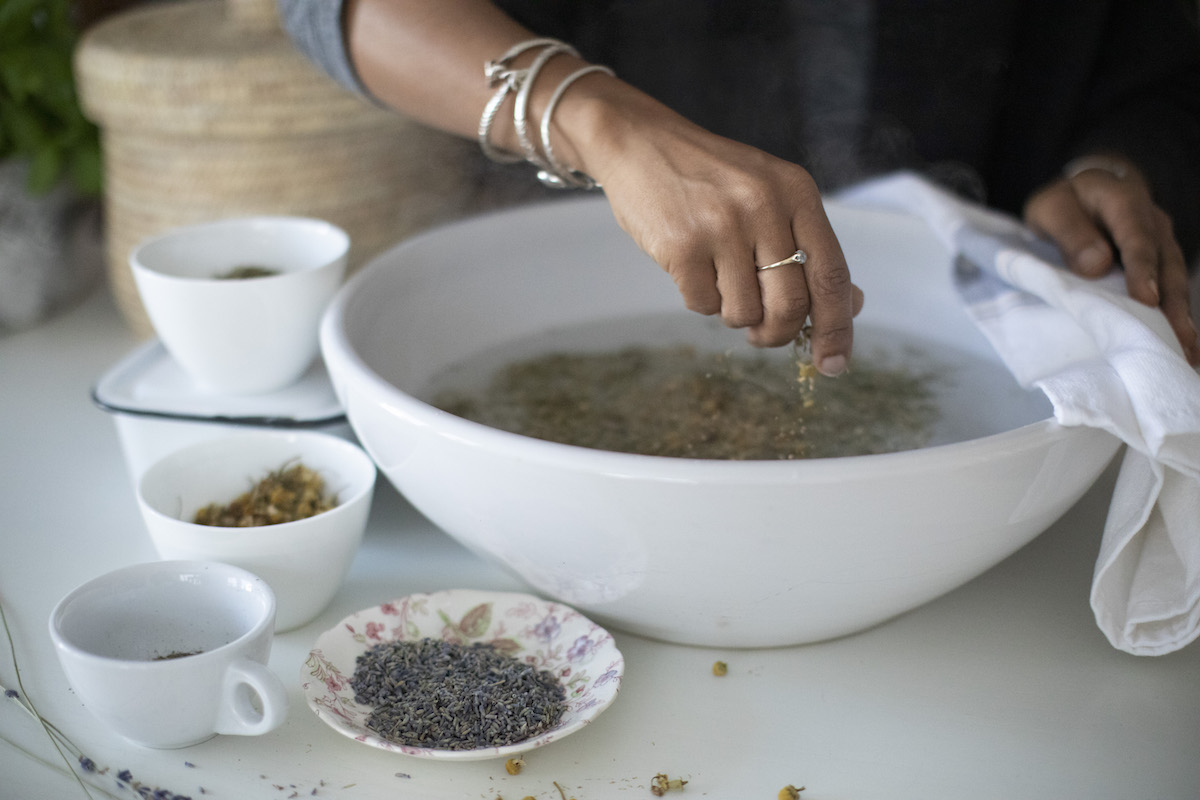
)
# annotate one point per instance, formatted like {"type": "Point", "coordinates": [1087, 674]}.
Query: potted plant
{"type": "Point", "coordinates": [50, 168]}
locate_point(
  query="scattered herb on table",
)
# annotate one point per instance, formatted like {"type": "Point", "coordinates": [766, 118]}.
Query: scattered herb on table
{"type": "Point", "coordinates": [450, 696]}
{"type": "Point", "coordinates": [790, 792]}
{"type": "Point", "coordinates": [284, 495]}
{"type": "Point", "coordinates": [720, 668]}
{"type": "Point", "coordinates": [660, 784]}
{"type": "Point", "coordinates": [78, 764]}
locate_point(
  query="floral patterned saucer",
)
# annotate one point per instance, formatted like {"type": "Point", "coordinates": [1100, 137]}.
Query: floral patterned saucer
{"type": "Point", "coordinates": [544, 634]}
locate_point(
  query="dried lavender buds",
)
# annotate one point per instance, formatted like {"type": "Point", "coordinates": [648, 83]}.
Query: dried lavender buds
{"type": "Point", "coordinates": [449, 696]}
{"type": "Point", "coordinates": [284, 495]}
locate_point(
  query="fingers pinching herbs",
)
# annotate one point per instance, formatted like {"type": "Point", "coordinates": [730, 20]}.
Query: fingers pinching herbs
{"type": "Point", "coordinates": [785, 302]}
{"type": "Point", "coordinates": [815, 285]}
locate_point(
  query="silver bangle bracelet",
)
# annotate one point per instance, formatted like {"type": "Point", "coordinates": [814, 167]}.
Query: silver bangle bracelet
{"type": "Point", "coordinates": [495, 71]}
{"type": "Point", "coordinates": [521, 106]}
{"type": "Point", "coordinates": [498, 73]}
{"type": "Point", "coordinates": [559, 175]}
{"type": "Point", "coordinates": [489, 116]}
{"type": "Point", "coordinates": [1112, 166]}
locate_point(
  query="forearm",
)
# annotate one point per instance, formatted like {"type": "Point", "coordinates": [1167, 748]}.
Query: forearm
{"type": "Point", "coordinates": [425, 58]}
{"type": "Point", "coordinates": [706, 209]}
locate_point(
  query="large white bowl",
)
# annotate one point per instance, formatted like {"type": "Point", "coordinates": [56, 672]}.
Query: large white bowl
{"type": "Point", "coordinates": [705, 552]}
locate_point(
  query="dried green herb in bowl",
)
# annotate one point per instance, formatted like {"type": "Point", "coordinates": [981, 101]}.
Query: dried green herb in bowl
{"type": "Point", "coordinates": [246, 272]}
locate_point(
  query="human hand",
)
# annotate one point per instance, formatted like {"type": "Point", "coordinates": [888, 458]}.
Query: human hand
{"type": "Point", "coordinates": [1089, 214]}
{"type": "Point", "coordinates": [708, 210]}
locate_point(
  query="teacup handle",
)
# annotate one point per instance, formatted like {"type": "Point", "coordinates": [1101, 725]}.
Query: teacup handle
{"type": "Point", "coordinates": [245, 679]}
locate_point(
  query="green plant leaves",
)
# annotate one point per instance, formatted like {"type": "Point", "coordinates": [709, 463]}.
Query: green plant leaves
{"type": "Point", "coordinates": [40, 118]}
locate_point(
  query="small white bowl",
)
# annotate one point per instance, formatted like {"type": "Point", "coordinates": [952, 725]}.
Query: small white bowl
{"type": "Point", "coordinates": [304, 561]}
{"type": "Point", "coordinates": [550, 636]}
{"type": "Point", "coordinates": [244, 336]}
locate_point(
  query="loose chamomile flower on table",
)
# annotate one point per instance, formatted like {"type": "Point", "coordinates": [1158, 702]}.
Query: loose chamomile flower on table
{"type": "Point", "coordinates": [660, 784]}
{"type": "Point", "coordinates": [790, 792]}
{"type": "Point", "coordinates": [720, 668]}
{"type": "Point", "coordinates": [513, 766]}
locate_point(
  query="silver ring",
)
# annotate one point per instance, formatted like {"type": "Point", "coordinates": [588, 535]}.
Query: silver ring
{"type": "Point", "coordinates": [798, 257]}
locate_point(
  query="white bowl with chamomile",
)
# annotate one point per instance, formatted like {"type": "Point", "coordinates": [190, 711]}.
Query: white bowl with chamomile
{"type": "Point", "coordinates": [304, 559]}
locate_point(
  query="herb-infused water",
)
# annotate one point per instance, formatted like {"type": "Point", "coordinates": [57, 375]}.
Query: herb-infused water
{"type": "Point", "coordinates": [677, 386]}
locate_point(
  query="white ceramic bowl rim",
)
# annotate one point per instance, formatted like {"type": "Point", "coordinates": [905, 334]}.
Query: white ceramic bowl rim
{"type": "Point", "coordinates": [339, 244]}
{"type": "Point", "coordinates": [584, 459]}
{"type": "Point", "coordinates": [140, 573]}
{"type": "Point", "coordinates": [363, 479]}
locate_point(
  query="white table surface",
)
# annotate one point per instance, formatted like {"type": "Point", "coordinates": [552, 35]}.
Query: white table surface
{"type": "Point", "coordinates": [1002, 689]}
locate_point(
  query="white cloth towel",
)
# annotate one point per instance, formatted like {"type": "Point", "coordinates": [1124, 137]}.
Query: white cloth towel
{"type": "Point", "coordinates": [1104, 360]}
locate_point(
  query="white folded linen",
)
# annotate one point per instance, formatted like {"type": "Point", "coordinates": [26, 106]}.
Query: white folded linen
{"type": "Point", "coordinates": [1104, 360]}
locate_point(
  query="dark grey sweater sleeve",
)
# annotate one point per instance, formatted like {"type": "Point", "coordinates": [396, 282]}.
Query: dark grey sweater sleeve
{"type": "Point", "coordinates": [316, 28]}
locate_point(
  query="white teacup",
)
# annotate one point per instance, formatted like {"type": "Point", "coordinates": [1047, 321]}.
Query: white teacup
{"type": "Point", "coordinates": [170, 653]}
{"type": "Point", "coordinates": [247, 335]}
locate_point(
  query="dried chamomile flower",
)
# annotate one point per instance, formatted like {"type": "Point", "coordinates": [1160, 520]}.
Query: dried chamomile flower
{"type": "Point", "coordinates": [660, 784]}
{"type": "Point", "coordinates": [284, 495]}
{"type": "Point", "coordinates": [790, 792]}
{"type": "Point", "coordinates": [513, 766]}
{"type": "Point", "coordinates": [806, 371]}
{"type": "Point", "coordinates": [720, 668]}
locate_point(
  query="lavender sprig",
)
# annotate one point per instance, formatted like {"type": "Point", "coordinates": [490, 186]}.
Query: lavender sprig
{"type": "Point", "coordinates": [61, 742]}
{"type": "Point", "coordinates": [22, 699]}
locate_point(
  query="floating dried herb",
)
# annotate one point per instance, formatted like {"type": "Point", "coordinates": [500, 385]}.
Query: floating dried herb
{"type": "Point", "coordinates": [450, 696]}
{"type": "Point", "coordinates": [284, 495]}
{"type": "Point", "coordinates": [683, 403]}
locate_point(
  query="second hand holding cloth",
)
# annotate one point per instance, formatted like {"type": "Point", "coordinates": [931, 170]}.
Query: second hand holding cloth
{"type": "Point", "coordinates": [1106, 361]}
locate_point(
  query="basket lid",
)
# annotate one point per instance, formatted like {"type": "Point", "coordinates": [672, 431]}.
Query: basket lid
{"type": "Point", "coordinates": [210, 67]}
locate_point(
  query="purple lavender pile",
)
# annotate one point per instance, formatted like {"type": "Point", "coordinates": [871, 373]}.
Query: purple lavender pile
{"type": "Point", "coordinates": [448, 696]}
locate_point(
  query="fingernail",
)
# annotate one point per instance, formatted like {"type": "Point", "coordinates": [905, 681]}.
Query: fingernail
{"type": "Point", "coordinates": [833, 366]}
{"type": "Point", "coordinates": [1092, 258]}
{"type": "Point", "coordinates": [1152, 290]}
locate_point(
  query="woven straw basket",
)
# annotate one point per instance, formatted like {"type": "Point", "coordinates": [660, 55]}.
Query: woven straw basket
{"type": "Point", "coordinates": [208, 111]}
